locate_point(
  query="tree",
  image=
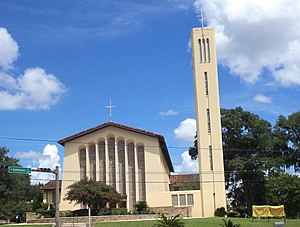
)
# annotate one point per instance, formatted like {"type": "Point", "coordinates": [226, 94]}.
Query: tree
{"type": "Point", "coordinates": [248, 144]}
{"type": "Point", "coordinates": [288, 129]}
{"type": "Point", "coordinates": [14, 189]}
{"type": "Point", "coordinates": [284, 190]}
{"type": "Point", "coordinates": [36, 195]}
{"type": "Point", "coordinates": [92, 193]}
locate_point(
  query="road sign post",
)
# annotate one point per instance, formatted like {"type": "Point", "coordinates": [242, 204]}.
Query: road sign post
{"type": "Point", "coordinates": [18, 169]}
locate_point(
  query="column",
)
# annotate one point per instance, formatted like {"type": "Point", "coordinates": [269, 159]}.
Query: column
{"type": "Point", "coordinates": [88, 166]}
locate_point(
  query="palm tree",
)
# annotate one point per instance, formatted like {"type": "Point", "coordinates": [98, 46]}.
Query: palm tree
{"type": "Point", "coordinates": [229, 223]}
{"type": "Point", "coordinates": [171, 221]}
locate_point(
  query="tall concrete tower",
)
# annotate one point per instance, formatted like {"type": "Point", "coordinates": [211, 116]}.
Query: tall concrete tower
{"type": "Point", "coordinates": [211, 165]}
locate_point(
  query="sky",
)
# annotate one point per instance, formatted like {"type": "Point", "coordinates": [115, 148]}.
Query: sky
{"type": "Point", "coordinates": [62, 61]}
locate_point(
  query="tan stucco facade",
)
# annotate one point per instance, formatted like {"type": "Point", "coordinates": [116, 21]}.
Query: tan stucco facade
{"type": "Point", "coordinates": [211, 166]}
{"type": "Point", "coordinates": [158, 165]}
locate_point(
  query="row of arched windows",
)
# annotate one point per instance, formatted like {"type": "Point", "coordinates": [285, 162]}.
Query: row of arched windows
{"type": "Point", "coordinates": [204, 49]}
{"type": "Point", "coordinates": [110, 151]}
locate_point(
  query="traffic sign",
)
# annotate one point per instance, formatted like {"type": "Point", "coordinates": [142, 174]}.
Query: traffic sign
{"type": "Point", "coordinates": [18, 169]}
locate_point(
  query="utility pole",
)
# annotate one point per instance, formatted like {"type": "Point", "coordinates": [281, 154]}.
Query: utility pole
{"type": "Point", "coordinates": [56, 196]}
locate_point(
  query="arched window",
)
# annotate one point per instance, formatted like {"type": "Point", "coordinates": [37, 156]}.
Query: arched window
{"type": "Point", "coordinates": [112, 163]}
{"type": "Point", "coordinates": [121, 162]}
{"type": "Point", "coordinates": [141, 173]}
{"type": "Point", "coordinates": [131, 176]}
{"type": "Point", "coordinates": [208, 50]}
{"type": "Point", "coordinates": [93, 162]}
{"type": "Point", "coordinates": [204, 50]}
{"type": "Point", "coordinates": [200, 50]}
{"type": "Point", "coordinates": [82, 163]}
{"type": "Point", "coordinates": [102, 164]}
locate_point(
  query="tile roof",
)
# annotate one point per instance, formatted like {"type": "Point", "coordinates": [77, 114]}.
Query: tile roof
{"type": "Point", "coordinates": [50, 185]}
{"type": "Point", "coordinates": [184, 178]}
{"type": "Point", "coordinates": [160, 138]}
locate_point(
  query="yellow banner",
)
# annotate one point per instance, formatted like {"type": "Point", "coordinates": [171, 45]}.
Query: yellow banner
{"type": "Point", "coordinates": [268, 211]}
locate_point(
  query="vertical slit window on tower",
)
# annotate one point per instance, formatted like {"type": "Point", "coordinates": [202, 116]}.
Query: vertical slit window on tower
{"type": "Point", "coordinates": [206, 83]}
{"type": "Point", "coordinates": [208, 121]}
{"type": "Point", "coordinates": [204, 50]}
{"type": "Point", "coordinates": [200, 50]}
{"type": "Point", "coordinates": [208, 50]}
{"type": "Point", "coordinates": [211, 158]}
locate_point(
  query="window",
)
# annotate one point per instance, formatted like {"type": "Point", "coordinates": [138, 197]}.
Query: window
{"type": "Point", "coordinates": [190, 199]}
{"type": "Point", "coordinates": [208, 50]}
{"type": "Point", "coordinates": [93, 162]}
{"type": "Point", "coordinates": [204, 50]}
{"type": "Point", "coordinates": [200, 50]}
{"type": "Point", "coordinates": [208, 121]}
{"type": "Point", "coordinates": [206, 83]}
{"type": "Point", "coordinates": [182, 200]}
{"type": "Point", "coordinates": [82, 164]}
{"type": "Point", "coordinates": [211, 158]}
{"type": "Point", "coordinates": [174, 200]}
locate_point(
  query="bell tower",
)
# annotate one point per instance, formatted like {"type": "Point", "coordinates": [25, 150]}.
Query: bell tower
{"type": "Point", "coordinates": [209, 136]}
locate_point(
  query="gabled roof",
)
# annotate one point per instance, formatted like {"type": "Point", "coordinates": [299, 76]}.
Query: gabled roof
{"type": "Point", "coordinates": [50, 185]}
{"type": "Point", "coordinates": [184, 178]}
{"type": "Point", "coordinates": [160, 138]}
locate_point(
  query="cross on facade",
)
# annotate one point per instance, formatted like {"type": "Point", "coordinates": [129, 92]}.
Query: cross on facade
{"type": "Point", "coordinates": [110, 106]}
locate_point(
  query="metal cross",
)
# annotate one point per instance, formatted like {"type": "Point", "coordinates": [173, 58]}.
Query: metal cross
{"type": "Point", "coordinates": [110, 106]}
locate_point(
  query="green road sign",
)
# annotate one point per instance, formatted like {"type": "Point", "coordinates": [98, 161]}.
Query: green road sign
{"type": "Point", "coordinates": [17, 169]}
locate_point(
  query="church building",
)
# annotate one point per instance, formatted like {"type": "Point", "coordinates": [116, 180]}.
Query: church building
{"type": "Point", "coordinates": [134, 162]}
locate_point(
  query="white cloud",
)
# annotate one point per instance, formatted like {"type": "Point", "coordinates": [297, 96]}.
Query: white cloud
{"type": "Point", "coordinates": [254, 35]}
{"type": "Point", "coordinates": [35, 89]}
{"type": "Point", "coordinates": [48, 159]}
{"type": "Point", "coordinates": [262, 99]}
{"type": "Point", "coordinates": [187, 165]}
{"type": "Point", "coordinates": [28, 155]}
{"type": "Point", "coordinates": [9, 50]}
{"type": "Point", "coordinates": [186, 130]}
{"type": "Point", "coordinates": [169, 113]}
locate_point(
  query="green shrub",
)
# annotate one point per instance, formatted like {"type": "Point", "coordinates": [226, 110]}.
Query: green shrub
{"type": "Point", "coordinates": [141, 206]}
{"type": "Point", "coordinates": [220, 212]}
{"type": "Point", "coordinates": [119, 211]}
{"type": "Point", "coordinates": [45, 206]}
{"type": "Point", "coordinates": [229, 223]}
{"type": "Point", "coordinates": [172, 221]}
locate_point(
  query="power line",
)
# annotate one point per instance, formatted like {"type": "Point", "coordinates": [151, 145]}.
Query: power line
{"type": "Point", "coordinates": [171, 147]}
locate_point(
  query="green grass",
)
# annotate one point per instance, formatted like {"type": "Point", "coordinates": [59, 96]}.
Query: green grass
{"type": "Point", "coordinates": [207, 222]}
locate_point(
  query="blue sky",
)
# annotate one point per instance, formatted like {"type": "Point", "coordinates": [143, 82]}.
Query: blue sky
{"type": "Point", "coordinates": [62, 61]}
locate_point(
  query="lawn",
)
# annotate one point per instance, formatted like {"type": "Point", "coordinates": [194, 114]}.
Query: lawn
{"type": "Point", "coordinates": [208, 222]}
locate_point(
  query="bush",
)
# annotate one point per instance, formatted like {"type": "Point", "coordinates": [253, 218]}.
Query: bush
{"type": "Point", "coordinates": [229, 223]}
{"type": "Point", "coordinates": [220, 212]}
{"type": "Point", "coordinates": [45, 206]}
{"type": "Point", "coordinates": [119, 211]}
{"type": "Point", "coordinates": [141, 206]}
{"type": "Point", "coordinates": [233, 214]}
{"type": "Point", "coordinates": [172, 221]}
